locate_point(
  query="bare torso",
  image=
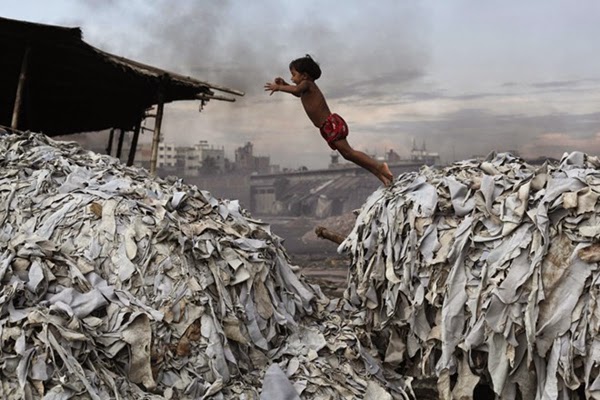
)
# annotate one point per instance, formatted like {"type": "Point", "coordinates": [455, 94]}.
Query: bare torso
{"type": "Point", "coordinates": [315, 105]}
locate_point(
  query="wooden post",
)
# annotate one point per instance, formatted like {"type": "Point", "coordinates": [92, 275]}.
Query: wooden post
{"type": "Point", "coordinates": [120, 144]}
{"type": "Point", "coordinates": [20, 89]}
{"type": "Point", "coordinates": [325, 233]}
{"type": "Point", "coordinates": [134, 141]}
{"type": "Point", "coordinates": [157, 123]}
{"type": "Point", "coordinates": [110, 141]}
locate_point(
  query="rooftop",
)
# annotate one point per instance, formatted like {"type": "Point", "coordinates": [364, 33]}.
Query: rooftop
{"type": "Point", "coordinates": [73, 87]}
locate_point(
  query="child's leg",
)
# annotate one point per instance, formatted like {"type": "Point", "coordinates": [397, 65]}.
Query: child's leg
{"type": "Point", "coordinates": [380, 170]}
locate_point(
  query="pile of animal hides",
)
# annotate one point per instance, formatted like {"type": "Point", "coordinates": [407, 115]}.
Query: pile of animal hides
{"type": "Point", "coordinates": [119, 285]}
{"type": "Point", "coordinates": [485, 271]}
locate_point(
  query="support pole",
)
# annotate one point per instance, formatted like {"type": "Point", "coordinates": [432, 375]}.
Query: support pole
{"type": "Point", "coordinates": [134, 142]}
{"type": "Point", "coordinates": [157, 123]}
{"type": "Point", "coordinates": [120, 144]}
{"type": "Point", "coordinates": [20, 90]}
{"type": "Point", "coordinates": [110, 141]}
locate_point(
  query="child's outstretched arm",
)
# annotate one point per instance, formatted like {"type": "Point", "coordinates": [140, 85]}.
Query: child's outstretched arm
{"type": "Point", "coordinates": [271, 85]}
{"type": "Point", "coordinates": [296, 90]}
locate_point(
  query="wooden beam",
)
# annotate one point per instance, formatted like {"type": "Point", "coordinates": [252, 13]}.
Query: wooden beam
{"type": "Point", "coordinates": [157, 123]}
{"type": "Point", "coordinates": [325, 233]}
{"type": "Point", "coordinates": [120, 143]}
{"type": "Point", "coordinates": [110, 141]}
{"type": "Point", "coordinates": [205, 97]}
{"type": "Point", "coordinates": [226, 90]}
{"type": "Point", "coordinates": [20, 90]}
{"type": "Point", "coordinates": [134, 142]}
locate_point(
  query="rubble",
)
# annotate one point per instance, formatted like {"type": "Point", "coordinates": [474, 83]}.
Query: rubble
{"type": "Point", "coordinates": [117, 284]}
{"type": "Point", "coordinates": [485, 272]}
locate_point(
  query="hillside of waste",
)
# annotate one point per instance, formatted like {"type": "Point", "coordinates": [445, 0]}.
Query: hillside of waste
{"type": "Point", "coordinates": [485, 271]}
{"type": "Point", "coordinates": [120, 285]}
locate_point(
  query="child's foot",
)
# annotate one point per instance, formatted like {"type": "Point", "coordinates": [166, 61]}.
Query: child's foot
{"type": "Point", "coordinates": [385, 175]}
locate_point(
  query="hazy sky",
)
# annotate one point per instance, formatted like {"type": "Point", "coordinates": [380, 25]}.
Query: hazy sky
{"type": "Point", "coordinates": [464, 77]}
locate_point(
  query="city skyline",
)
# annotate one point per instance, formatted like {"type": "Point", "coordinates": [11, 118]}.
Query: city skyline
{"type": "Point", "coordinates": [467, 78]}
{"type": "Point", "coordinates": [169, 151]}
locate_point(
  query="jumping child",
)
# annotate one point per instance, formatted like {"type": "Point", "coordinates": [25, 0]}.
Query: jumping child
{"type": "Point", "coordinates": [305, 71]}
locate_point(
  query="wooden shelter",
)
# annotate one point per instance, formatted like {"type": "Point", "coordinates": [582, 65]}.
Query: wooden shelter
{"type": "Point", "coordinates": [51, 81]}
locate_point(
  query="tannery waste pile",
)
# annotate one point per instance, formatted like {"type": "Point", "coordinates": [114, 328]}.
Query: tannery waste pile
{"type": "Point", "coordinates": [486, 269]}
{"type": "Point", "coordinates": [119, 285]}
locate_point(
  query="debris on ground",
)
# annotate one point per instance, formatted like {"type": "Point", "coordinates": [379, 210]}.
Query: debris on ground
{"type": "Point", "coordinates": [485, 271]}
{"type": "Point", "coordinates": [117, 284]}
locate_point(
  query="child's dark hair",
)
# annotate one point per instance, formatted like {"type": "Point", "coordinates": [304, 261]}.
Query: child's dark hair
{"type": "Point", "coordinates": [306, 65]}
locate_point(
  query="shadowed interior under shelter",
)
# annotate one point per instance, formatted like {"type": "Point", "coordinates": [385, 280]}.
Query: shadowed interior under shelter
{"type": "Point", "coordinates": [68, 86]}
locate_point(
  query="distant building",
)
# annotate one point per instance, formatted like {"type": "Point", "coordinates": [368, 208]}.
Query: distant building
{"type": "Point", "coordinates": [317, 193]}
{"type": "Point", "coordinates": [336, 162]}
{"type": "Point", "coordinates": [422, 155]}
{"type": "Point", "coordinates": [183, 160]}
{"type": "Point", "coordinates": [341, 188]}
{"type": "Point", "coordinates": [202, 158]}
{"type": "Point", "coordinates": [167, 155]}
{"type": "Point", "coordinates": [245, 160]}
{"type": "Point", "coordinates": [392, 157]}
{"type": "Point", "coordinates": [261, 164]}
{"type": "Point", "coordinates": [189, 161]}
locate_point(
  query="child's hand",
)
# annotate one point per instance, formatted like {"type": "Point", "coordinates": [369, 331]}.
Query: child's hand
{"type": "Point", "coordinates": [279, 80]}
{"type": "Point", "coordinates": [272, 86]}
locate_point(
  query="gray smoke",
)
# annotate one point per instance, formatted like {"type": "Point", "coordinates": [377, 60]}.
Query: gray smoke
{"type": "Point", "coordinates": [243, 44]}
{"type": "Point", "coordinates": [455, 76]}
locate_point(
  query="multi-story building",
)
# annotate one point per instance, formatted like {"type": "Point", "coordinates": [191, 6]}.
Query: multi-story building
{"type": "Point", "coordinates": [211, 155]}
{"type": "Point", "coordinates": [202, 157]}
{"type": "Point", "coordinates": [167, 155]}
{"type": "Point", "coordinates": [184, 160]}
{"type": "Point", "coordinates": [244, 157]}
{"type": "Point", "coordinates": [245, 160]}
{"type": "Point", "coordinates": [165, 158]}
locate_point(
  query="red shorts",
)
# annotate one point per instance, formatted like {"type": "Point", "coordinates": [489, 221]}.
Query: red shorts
{"type": "Point", "coordinates": [334, 128]}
